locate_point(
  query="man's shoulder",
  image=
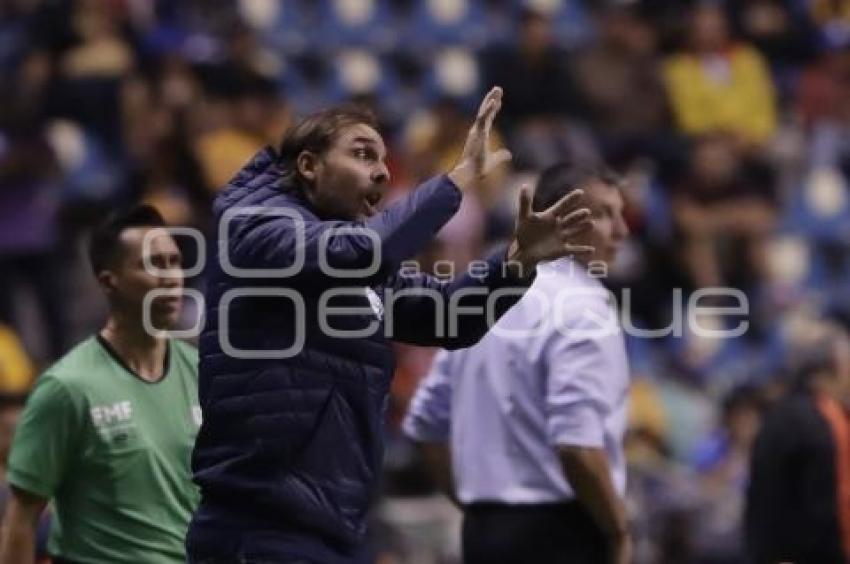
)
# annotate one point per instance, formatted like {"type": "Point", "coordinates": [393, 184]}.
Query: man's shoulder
{"type": "Point", "coordinates": [253, 205]}
{"type": "Point", "coordinates": [259, 183]}
{"type": "Point", "coordinates": [185, 350]}
{"type": "Point", "coordinates": [796, 413]}
{"type": "Point", "coordinates": [185, 357]}
{"type": "Point", "coordinates": [78, 364]}
{"type": "Point", "coordinates": [794, 422]}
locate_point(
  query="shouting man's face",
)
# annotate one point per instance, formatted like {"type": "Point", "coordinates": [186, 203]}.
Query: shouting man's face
{"type": "Point", "coordinates": [351, 177]}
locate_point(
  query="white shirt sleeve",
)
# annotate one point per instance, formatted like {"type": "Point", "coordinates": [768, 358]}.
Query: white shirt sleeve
{"type": "Point", "coordinates": [428, 417]}
{"type": "Point", "coordinates": [576, 394]}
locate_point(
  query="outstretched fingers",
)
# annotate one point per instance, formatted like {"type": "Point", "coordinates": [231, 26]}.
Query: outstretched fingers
{"type": "Point", "coordinates": [490, 106]}
{"type": "Point", "coordinates": [575, 222]}
{"type": "Point", "coordinates": [567, 204]}
{"type": "Point", "coordinates": [570, 228]}
{"type": "Point", "coordinates": [524, 201]}
{"type": "Point", "coordinates": [570, 249]}
{"type": "Point", "coordinates": [491, 116]}
{"type": "Point", "coordinates": [490, 102]}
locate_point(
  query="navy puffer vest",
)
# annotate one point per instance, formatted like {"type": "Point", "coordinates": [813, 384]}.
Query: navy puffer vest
{"type": "Point", "coordinates": [290, 448]}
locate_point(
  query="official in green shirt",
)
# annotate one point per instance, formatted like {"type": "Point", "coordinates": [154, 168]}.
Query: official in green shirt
{"type": "Point", "coordinates": [107, 433]}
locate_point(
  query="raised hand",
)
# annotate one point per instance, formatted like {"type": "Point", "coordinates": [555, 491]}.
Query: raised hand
{"type": "Point", "coordinates": [477, 160]}
{"type": "Point", "coordinates": [550, 234]}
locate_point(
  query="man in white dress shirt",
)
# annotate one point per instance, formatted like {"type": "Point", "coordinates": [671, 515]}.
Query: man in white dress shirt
{"type": "Point", "coordinates": [534, 414]}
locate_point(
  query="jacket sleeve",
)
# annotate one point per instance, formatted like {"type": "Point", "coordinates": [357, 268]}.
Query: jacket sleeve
{"type": "Point", "coordinates": [423, 310]}
{"type": "Point", "coordinates": [280, 243]}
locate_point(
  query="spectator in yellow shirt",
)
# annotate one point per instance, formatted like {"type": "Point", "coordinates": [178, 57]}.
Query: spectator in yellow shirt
{"type": "Point", "coordinates": [719, 85]}
{"type": "Point", "coordinates": [16, 369]}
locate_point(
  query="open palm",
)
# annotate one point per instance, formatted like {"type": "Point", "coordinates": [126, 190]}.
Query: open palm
{"type": "Point", "coordinates": [550, 234]}
{"type": "Point", "coordinates": [477, 160]}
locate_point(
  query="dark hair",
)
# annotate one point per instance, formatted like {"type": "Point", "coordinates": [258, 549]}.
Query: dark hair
{"type": "Point", "coordinates": [815, 356]}
{"type": "Point", "coordinates": [316, 133]}
{"type": "Point", "coordinates": [529, 15]}
{"type": "Point", "coordinates": [742, 397]}
{"type": "Point", "coordinates": [105, 240]}
{"type": "Point", "coordinates": [559, 180]}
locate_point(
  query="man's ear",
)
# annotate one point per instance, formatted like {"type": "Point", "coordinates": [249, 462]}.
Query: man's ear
{"type": "Point", "coordinates": [107, 281]}
{"type": "Point", "coordinates": [307, 164]}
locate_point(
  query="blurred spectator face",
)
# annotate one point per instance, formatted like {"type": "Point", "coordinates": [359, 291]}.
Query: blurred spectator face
{"type": "Point", "coordinates": [92, 21]}
{"type": "Point", "coordinates": [128, 281]}
{"type": "Point", "coordinates": [259, 110]}
{"type": "Point", "coordinates": [35, 70]}
{"type": "Point", "coordinates": [451, 124]}
{"type": "Point", "coordinates": [176, 84]}
{"type": "Point", "coordinates": [250, 113]}
{"type": "Point", "coordinates": [714, 161]}
{"type": "Point", "coordinates": [350, 178]}
{"type": "Point", "coordinates": [608, 226]}
{"type": "Point", "coordinates": [765, 18]}
{"type": "Point", "coordinates": [626, 31]}
{"type": "Point", "coordinates": [535, 33]}
{"type": "Point", "coordinates": [742, 423]}
{"type": "Point", "coordinates": [241, 44]}
{"type": "Point", "coordinates": [709, 28]}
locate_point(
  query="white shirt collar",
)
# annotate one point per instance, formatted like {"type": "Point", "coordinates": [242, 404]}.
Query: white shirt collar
{"type": "Point", "coordinates": [572, 269]}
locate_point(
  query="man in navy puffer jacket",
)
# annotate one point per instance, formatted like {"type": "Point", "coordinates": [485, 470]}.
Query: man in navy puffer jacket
{"type": "Point", "coordinates": [305, 293]}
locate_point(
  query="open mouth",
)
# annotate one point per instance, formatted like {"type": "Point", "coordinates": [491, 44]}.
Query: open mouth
{"type": "Point", "coordinates": [371, 201]}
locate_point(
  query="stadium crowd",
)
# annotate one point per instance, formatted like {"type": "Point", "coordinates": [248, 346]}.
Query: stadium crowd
{"type": "Point", "coordinates": [730, 121]}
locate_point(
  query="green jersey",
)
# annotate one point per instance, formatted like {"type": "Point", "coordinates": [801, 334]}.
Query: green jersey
{"type": "Point", "coordinates": [112, 451]}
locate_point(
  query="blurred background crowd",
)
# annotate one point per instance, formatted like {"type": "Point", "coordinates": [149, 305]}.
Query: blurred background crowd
{"type": "Point", "coordinates": [729, 121]}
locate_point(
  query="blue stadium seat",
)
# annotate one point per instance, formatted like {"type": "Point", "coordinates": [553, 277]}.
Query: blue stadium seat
{"type": "Point", "coordinates": [280, 23]}
{"type": "Point", "coordinates": [820, 207]}
{"type": "Point", "coordinates": [435, 23]}
{"type": "Point", "coordinates": [89, 175]}
{"type": "Point", "coordinates": [406, 76]}
{"type": "Point", "coordinates": [353, 23]}
{"type": "Point", "coordinates": [790, 258]}
{"type": "Point", "coordinates": [570, 21]}
{"type": "Point", "coordinates": [12, 42]}
{"type": "Point", "coordinates": [455, 73]}
{"type": "Point", "coordinates": [308, 82]}
{"type": "Point", "coordinates": [358, 72]}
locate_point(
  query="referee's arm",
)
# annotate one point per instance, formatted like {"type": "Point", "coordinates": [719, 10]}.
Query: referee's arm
{"type": "Point", "coordinates": [19, 527]}
{"type": "Point", "coordinates": [45, 441]}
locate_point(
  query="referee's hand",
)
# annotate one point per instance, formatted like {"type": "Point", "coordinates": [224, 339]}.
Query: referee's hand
{"type": "Point", "coordinates": [477, 160]}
